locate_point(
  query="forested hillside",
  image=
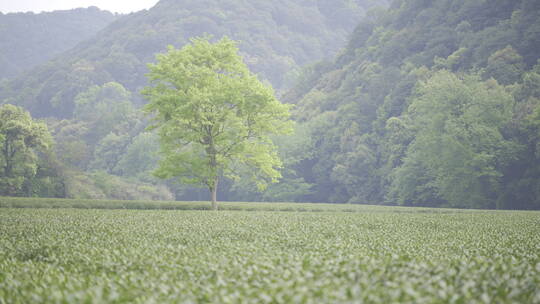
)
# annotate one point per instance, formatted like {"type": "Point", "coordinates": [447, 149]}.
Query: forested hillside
{"type": "Point", "coordinates": [90, 94]}
{"type": "Point", "coordinates": [29, 39]}
{"type": "Point", "coordinates": [433, 103]}
{"type": "Point", "coordinates": [277, 37]}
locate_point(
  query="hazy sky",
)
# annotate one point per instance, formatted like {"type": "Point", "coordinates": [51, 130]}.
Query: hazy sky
{"type": "Point", "coordinates": [119, 6]}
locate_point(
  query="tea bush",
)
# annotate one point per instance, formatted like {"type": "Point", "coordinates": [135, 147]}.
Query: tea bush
{"type": "Point", "coordinates": [374, 256]}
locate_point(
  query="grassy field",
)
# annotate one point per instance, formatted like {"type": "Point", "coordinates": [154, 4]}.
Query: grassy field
{"type": "Point", "coordinates": [339, 254]}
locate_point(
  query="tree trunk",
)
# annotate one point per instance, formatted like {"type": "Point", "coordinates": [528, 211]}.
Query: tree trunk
{"type": "Point", "coordinates": [213, 190]}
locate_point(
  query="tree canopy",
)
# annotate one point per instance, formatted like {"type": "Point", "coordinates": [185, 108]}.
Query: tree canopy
{"type": "Point", "coordinates": [20, 139]}
{"type": "Point", "coordinates": [213, 115]}
{"type": "Point", "coordinates": [432, 103]}
{"type": "Point", "coordinates": [459, 149]}
{"type": "Point", "coordinates": [277, 38]}
{"type": "Point", "coordinates": [469, 71]}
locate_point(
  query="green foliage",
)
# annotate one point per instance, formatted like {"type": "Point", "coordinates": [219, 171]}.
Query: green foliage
{"type": "Point", "coordinates": [141, 157]}
{"type": "Point", "coordinates": [105, 109]}
{"type": "Point", "coordinates": [72, 148]}
{"type": "Point", "coordinates": [458, 151]}
{"type": "Point", "coordinates": [105, 122]}
{"type": "Point", "coordinates": [363, 97]}
{"type": "Point", "coordinates": [83, 203]}
{"type": "Point", "coordinates": [100, 185]}
{"type": "Point", "coordinates": [277, 38]}
{"type": "Point", "coordinates": [294, 150]}
{"type": "Point", "coordinates": [104, 149]}
{"type": "Point", "coordinates": [375, 255]}
{"type": "Point", "coordinates": [213, 115]}
{"type": "Point", "coordinates": [505, 65]}
{"type": "Point", "coordinates": [521, 182]}
{"type": "Point", "coordinates": [360, 143]}
{"type": "Point", "coordinates": [108, 152]}
{"type": "Point", "coordinates": [20, 141]}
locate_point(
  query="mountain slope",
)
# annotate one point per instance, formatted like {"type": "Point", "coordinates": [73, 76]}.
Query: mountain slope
{"type": "Point", "coordinates": [28, 39]}
{"type": "Point", "coordinates": [362, 109]}
{"type": "Point", "coordinates": [276, 38]}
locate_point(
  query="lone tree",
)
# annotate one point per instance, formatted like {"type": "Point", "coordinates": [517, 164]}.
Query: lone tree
{"type": "Point", "coordinates": [213, 116]}
{"type": "Point", "coordinates": [20, 139]}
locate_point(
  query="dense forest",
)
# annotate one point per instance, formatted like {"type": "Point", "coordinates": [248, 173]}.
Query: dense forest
{"type": "Point", "coordinates": [30, 39]}
{"type": "Point", "coordinates": [90, 94]}
{"type": "Point", "coordinates": [276, 39]}
{"type": "Point", "coordinates": [427, 103]}
{"type": "Point", "coordinates": [433, 103]}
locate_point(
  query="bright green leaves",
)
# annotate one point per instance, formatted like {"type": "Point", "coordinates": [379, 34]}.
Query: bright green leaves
{"type": "Point", "coordinates": [370, 254]}
{"type": "Point", "coordinates": [213, 115]}
{"type": "Point", "coordinates": [20, 139]}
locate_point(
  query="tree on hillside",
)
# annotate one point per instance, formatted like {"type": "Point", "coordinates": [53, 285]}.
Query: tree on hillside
{"type": "Point", "coordinates": [459, 150]}
{"type": "Point", "coordinates": [213, 115]}
{"type": "Point", "coordinates": [20, 139]}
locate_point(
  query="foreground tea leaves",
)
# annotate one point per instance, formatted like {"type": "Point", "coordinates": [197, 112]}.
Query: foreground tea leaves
{"type": "Point", "coordinates": [118, 256]}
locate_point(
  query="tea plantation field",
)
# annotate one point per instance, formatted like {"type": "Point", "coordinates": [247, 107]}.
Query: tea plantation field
{"type": "Point", "coordinates": [360, 255]}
